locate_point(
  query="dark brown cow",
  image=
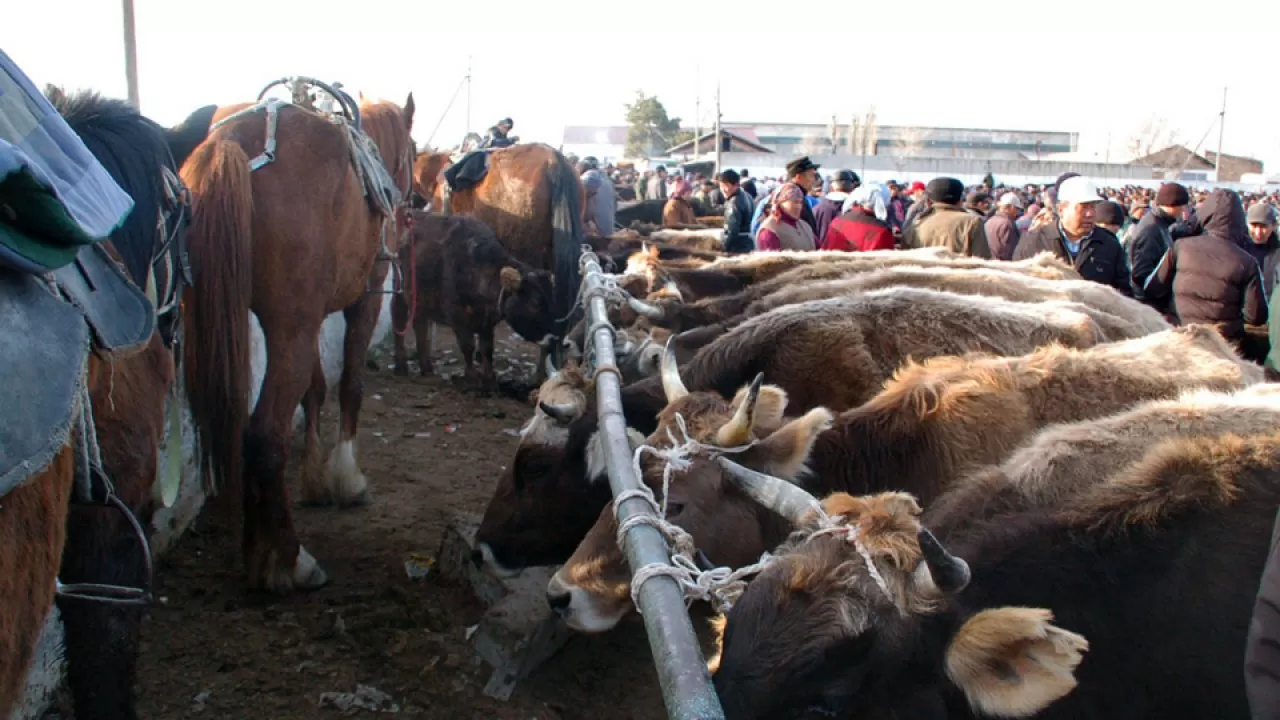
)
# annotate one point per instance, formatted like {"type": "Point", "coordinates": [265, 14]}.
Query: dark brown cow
{"type": "Point", "coordinates": [832, 353]}
{"type": "Point", "coordinates": [932, 423]}
{"type": "Point", "coordinates": [464, 278]}
{"type": "Point", "coordinates": [1139, 538]}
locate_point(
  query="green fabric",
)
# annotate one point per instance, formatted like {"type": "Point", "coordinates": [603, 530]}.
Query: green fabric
{"type": "Point", "coordinates": [1273, 331]}
{"type": "Point", "coordinates": [36, 225]}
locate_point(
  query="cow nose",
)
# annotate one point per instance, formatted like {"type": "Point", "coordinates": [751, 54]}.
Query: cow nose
{"type": "Point", "coordinates": [477, 557]}
{"type": "Point", "coordinates": [559, 600]}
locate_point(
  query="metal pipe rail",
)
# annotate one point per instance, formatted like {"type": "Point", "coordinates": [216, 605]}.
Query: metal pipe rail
{"type": "Point", "coordinates": [682, 671]}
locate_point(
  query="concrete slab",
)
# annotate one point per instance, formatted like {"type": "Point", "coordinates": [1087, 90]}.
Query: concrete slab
{"type": "Point", "coordinates": [518, 631]}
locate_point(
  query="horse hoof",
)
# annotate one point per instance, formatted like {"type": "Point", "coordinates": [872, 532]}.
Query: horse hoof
{"type": "Point", "coordinates": [361, 500]}
{"type": "Point", "coordinates": [307, 573]}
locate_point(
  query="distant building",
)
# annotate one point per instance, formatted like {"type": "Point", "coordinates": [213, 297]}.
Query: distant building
{"type": "Point", "coordinates": [1178, 163]}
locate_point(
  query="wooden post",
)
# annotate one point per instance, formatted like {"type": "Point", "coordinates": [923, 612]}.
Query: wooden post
{"type": "Point", "coordinates": [131, 55]}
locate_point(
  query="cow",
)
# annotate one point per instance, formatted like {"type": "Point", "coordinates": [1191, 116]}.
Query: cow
{"type": "Point", "coordinates": [932, 423]}
{"type": "Point", "coordinates": [460, 275]}
{"type": "Point", "coordinates": [1138, 538]}
{"type": "Point", "coordinates": [834, 353]}
{"type": "Point", "coordinates": [681, 315]}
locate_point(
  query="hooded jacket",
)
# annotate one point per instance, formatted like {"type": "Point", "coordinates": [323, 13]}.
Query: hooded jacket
{"type": "Point", "coordinates": [1212, 278]}
{"type": "Point", "coordinates": [1150, 239]}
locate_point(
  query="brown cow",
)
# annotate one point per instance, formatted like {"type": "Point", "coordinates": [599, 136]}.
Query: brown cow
{"type": "Point", "coordinates": [464, 278]}
{"type": "Point", "coordinates": [1145, 531]}
{"type": "Point", "coordinates": [932, 423]}
{"type": "Point", "coordinates": [833, 353]}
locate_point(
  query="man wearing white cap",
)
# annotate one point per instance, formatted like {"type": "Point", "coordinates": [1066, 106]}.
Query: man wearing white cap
{"type": "Point", "coordinates": [1002, 232]}
{"type": "Point", "coordinates": [1077, 240]}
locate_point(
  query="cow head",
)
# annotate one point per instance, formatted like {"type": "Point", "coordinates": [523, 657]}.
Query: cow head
{"type": "Point", "coordinates": [526, 302]}
{"type": "Point", "coordinates": [592, 590]}
{"type": "Point", "coordinates": [550, 494]}
{"type": "Point", "coordinates": [859, 613]}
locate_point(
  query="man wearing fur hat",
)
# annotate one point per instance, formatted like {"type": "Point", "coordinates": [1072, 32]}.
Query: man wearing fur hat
{"type": "Point", "coordinates": [946, 223]}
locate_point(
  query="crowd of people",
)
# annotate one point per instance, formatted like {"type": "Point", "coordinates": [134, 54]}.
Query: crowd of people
{"type": "Point", "coordinates": [1197, 256]}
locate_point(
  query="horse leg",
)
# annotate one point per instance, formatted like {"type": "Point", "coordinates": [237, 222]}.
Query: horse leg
{"type": "Point", "coordinates": [350, 485]}
{"type": "Point", "coordinates": [487, 374]}
{"type": "Point", "coordinates": [33, 531]}
{"type": "Point", "coordinates": [274, 559]}
{"type": "Point", "coordinates": [424, 332]}
{"type": "Point", "coordinates": [399, 317]}
{"type": "Point", "coordinates": [312, 483]}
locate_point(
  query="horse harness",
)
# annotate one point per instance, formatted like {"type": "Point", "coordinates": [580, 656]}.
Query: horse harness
{"type": "Point", "coordinates": [382, 190]}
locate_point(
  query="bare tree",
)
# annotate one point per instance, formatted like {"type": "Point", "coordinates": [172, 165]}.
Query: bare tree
{"type": "Point", "coordinates": [1154, 135]}
{"type": "Point", "coordinates": [863, 133]}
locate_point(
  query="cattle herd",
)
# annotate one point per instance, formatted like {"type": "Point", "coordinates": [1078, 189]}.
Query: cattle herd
{"type": "Point", "coordinates": [981, 488]}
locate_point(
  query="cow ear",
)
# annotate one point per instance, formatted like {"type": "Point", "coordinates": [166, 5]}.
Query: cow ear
{"type": "Point", "coordinates": [510, 278]}
{"type": "Point", "coordinates": [408, 112]}
{"type": "Point", "coordinates": [1011, 662]}
{"type": "Point", "coordinates": [770, 406]}
{"type": "Point", "coordinates": [785, 452]}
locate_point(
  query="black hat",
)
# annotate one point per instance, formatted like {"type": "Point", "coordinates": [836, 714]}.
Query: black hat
{"type": "Point", "coordinates": [1109, 213]}
{"type": "Point", "coordinates": [799, 165]}
{"type": "Point", "coordinates": [945, 190]}
{"type": "Point", "coordinates": [507, 122]}
{"type": "Point", "coordinates": [848, 176]}
{"type": "Point", "coordinates": [1172, 195]}
{"type": "Point", "coordinates": [730, 177]}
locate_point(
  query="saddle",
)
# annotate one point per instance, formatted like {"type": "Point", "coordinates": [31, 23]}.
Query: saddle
{"type": "Point", "coordinates": [467, 172]}
{"type": "Point", "coordinates": [49, 323]}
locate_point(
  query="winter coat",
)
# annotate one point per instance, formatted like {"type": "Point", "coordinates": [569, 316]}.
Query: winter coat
{"type": "Point", "coordinates": [858, 230]}
{"type": "Point", "coordinates": [1100, 257]}
{"type": "Point", "coordinates": [1262, 646]}
{"type": "Point", "coordinates": [951, 227]}
{"type": "Point", "coordinates": [1148, 242]}
{"type": "Point", "coordinates": [1212, 278]}
{"type": "Point", "coordinates": [677, 212]}
{"type": "Point", "coordinates": [1002, 236]}
{"type": "Point", "coordinates": [601, 204]}
{"type": "Point", "coordinates": [1266, 255]}
{"type": "Point", "coordinates": [737, 235]}
{"type": "Point", "coordinates": [656, 189]}
{"type": "Point", "coordinates": [785, 233]}
{"type": "Point", "coordinates": [913, 213]}
{"type": "Point", "coordinates": [827, 210]}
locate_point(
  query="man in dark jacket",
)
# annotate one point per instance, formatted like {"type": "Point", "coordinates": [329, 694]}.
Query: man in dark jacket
{"type": "Point", "coordinates": [499, 135]}
{"type": "Point", "coordinates": [748, 185]}
{"type": "Point", "coordinates": [1264, 246]}
{"type": "Point", "coordinates": [1213, 280]}
{"type": "Point", "coordinates": [1153, 236]}
{"type": "Point", "coordinates": [1262, 648]}
{"type": "Point", "coordinates": [737, 214]}
{"type": "Point", "coordinates": [832, 204]}
{"type": "Point", "coordinates": [919, 203]}
{"type": "Point", "coordinates": [1075, 238]}
{"type": "Point", "coordinates": [804, 172]}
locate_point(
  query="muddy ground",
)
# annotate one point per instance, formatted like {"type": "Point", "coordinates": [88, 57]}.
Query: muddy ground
{"type": "Point", "coordinates": [430, 450]}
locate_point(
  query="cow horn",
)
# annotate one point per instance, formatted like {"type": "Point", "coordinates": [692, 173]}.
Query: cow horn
{"type": "Point", "coordinates": [704, 562]}
{"type": "Point", "coordinates": [564, 413]}
{"type": "Point", "coordinates": [674, 290]}
{"type": "Point", "coordinates": [672, 385]}
{"type": "Point", "coordinates": [550, 366]}
{"type": "Point", "coordinates": [643, 308]}
{"type": "Point", "coordinates": [949, 573]}
{"type": "Point", "coordinates": [780, 496]}
{"type": "Point", "coordinates": [738, 430]}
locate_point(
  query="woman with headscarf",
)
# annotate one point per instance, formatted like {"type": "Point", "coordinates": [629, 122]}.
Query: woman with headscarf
{"type": "Point", "coordinates": [678, 212]}
{"type": "Point", "coordinates": [783, 229]}
{"type": "Point", "coordinates": [860, 228]}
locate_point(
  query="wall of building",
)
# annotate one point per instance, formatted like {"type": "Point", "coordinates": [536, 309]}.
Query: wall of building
{"type": "Point", "coordinates": [48, 669]}
{"type": "Point", "coordinates": [880, 168]}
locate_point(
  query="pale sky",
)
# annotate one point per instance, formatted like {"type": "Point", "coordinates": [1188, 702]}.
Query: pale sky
{"type": "Point", "coordinates": [1097, 68]}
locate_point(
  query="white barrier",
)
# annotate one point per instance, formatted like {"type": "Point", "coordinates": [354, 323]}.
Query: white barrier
{"type": "Point", "coordinates": [48, 669]}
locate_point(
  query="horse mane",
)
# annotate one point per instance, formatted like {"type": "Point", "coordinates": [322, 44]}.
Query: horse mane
{"type": "Point", "coordinates": [130, 146]}
{"type": "Point", "coordinates": [385, 123]}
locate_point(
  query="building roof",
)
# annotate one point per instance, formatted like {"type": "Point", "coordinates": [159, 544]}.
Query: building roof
{"type": "Point", "coordinates": [746, 138]}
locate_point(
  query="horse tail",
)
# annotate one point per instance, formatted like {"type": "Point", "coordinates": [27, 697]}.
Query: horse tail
{"type": "Point", "coordinates": [216, 312]}
{"type": "Point", "coordinates": [567, 238]}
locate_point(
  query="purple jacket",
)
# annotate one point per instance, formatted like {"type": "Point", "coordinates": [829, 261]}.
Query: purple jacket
{"type": "Point", "coordinates": [829, 208]}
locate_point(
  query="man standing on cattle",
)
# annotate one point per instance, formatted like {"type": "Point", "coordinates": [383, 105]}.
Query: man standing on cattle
{"type": "Point", "coordinates": [946, 223]}
{"type": "Point", "coordinates": [1076, 239]}
{"type": "Point", "coordinates": [1212, 279]}
{"type": "Point", "coordinates": [1152, 238]}
{"type": "Point", "coordinates": [737, 215]}
{"type": "Point", "coordinates": [498, 135]}
{"type": "Point", "coordinates": [601, 203]}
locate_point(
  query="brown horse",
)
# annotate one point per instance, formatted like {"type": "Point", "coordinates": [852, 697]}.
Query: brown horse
{"type": "Point", "coordinates": [292, 241]}
{"type": "Point", "coordinates": [533, 200]}
{"type": "Point", "coordinates": [43, 535]}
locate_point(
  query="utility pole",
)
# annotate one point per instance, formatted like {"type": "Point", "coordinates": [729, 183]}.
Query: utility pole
{"type": "Point", "coordinates": [131, 55]}
{"type": "Point", "coordinates": [697, 109]}
{"type": "Point", "coordinates": [717, 127]}
{"type": "Point", "coordinates": [1222, 126]}
{"type": "Point", "coordinates": [468, 94]}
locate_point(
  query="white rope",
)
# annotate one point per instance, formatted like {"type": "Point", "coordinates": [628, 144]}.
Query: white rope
{"type": "Point", "coordinates": [720, 586]}
{"type": "Point", "coordinates": [852, 534]}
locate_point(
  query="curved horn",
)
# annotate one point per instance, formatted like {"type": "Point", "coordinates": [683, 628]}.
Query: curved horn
{"type": "Point", "coordinates": [564, 413]}
{"type": "Point", "coordinates": [704, 562]}
{"type": "Point", "coordinates": [780, 496]}
{"type": "Point", "coordinates": [949, 573]}
{"type": "Point", "coordinates": [550, 366]}
{"type": "Point", "coordinates": [672, 385]}
{"type": "Point", "coordinates": [738, 430]}
{"type": "Point", "coordinates": [641, 307]}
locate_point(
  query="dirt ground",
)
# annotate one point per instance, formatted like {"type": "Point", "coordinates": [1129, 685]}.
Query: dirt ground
{"type": "Point", "coordinates": [429, 450]}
